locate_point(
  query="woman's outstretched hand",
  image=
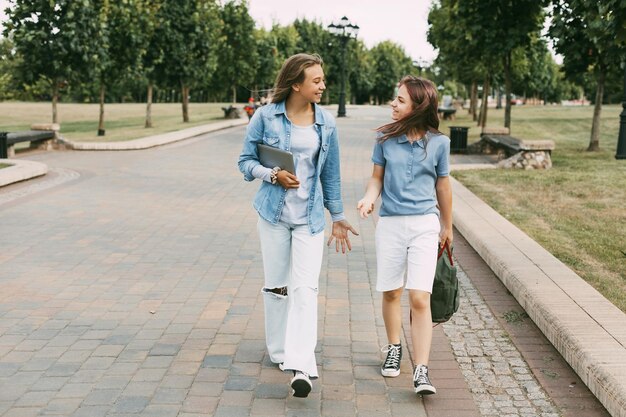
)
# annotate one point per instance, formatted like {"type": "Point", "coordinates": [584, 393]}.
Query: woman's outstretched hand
{"type": "Point", "coordinates": [340, 235]}
{"type": "Point", "coordinates": [365, 207]}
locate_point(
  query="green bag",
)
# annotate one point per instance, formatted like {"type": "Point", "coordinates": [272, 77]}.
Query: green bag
{"type": "Point", "coordinates": [444, 300]}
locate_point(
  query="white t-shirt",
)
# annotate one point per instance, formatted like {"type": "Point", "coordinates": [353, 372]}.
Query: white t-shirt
{"type": "Point", "coordinates": [305, 146]}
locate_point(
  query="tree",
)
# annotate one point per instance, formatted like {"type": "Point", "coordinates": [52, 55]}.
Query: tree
{"type": "Point", "coordinates": [189, 31]}
{"type": "Point", "coordinates": [121, 44]}
{"type": "Point", "coordinates": [314, 38]}
{"type": "Point", "coordinates": [361, 72]}
{"type": "Point", "coordinates": [237, 55]}
{"type": "Point", "coordinates": [267, 54]}
{"type": "Point", "coordinates": [9, 63]}
{"type": "Point", "coordinates": [585, 33]}
{"type": "Point", "coordinates": [536, 74]}
{"type": "Point", "coordinates": [287, 42]}
{"type": "Point", "coordinates": [459, 56]}
{"type": "Point", "coordinates": [495, 29]}
{"type": "Point", "coordinates": [55, 40]}
{"type": "Point", "coordinates": [484, 34]}
{"type": "Point", "coordinates": [153, 58]}
{"type": "Point", "coordinates": [390, 64]}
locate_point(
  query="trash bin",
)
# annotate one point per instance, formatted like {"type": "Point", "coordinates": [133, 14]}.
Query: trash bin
{"type": "Point", "coordinates": [458, 139]}
{"type": "Point", "coordinates": [3, 145]}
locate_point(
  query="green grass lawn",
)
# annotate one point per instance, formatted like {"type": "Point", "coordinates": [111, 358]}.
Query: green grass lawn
{"type": "Point", "coordinates": [577, 209]}
{"type": "Point", "coordinates": [79, 122]}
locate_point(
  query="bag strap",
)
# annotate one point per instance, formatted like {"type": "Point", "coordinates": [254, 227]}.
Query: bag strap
{"type": "Point", "coordinates": [446, 247]}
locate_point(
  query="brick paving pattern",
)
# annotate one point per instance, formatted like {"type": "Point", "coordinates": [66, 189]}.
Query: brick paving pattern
{"type": "Point", "coordinates": [131, 287]}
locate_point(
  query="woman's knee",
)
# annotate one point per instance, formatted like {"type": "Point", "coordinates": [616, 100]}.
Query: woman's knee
{"type": "Point", "coordinates": [393, 295]}
{"type": "Point", "coordinates": [281, 291]}
{"type": "Point", "coordinates": [419, 300]}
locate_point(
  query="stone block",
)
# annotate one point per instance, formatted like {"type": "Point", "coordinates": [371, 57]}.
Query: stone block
{"type": "Point", "coordinates": [46, 126]}
{"type": "Point", "coordinates": [491, 130]}
{"type": "Point", "coordinates": [544, 145]}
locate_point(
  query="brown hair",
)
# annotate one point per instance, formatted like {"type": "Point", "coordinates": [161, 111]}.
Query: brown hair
{"type": "Point", "coordinates": [423, 94]}
{"type": "Point", "coordinates": [292, 72]}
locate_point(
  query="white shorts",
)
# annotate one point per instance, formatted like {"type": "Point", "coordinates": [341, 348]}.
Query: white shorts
{"type": "Point", "coordinates": [402, 241]}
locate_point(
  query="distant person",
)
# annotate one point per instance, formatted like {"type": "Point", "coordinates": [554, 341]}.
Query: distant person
{"type": "Point", "coordinates": [291, 211]}
{"type": "Point", "coordinates": [411, 170]}
{"type": "Point", "coordinates": [250, 108]}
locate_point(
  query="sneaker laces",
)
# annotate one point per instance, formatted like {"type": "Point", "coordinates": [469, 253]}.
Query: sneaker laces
{"type": "Point", "coordinates": [393, 356]}
{"type": "Point", "coordinates": [421, 375]}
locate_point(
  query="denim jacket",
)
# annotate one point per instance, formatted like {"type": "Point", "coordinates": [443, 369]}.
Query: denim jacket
{"type": "Point", "coordinates": [270, 126]}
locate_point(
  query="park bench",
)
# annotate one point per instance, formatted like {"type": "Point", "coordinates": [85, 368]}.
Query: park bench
{"type": "Point", "coordinates": [446, 113]}
{"type": "Point", "coordinates": [447, 110]}
{"type": "Point", "coordinates": [231, 112]}
{"type": "Point", "coordinates": [517, 153]}
{"type": "Point", "coordinates": [40, 137]}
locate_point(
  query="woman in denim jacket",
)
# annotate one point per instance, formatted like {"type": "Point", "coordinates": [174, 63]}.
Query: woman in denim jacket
{"type": "Point", "coordinates": [291, 211]}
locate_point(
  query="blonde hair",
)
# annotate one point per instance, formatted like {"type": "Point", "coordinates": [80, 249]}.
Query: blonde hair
{"type": "Point", "coordinates": [292, 72]}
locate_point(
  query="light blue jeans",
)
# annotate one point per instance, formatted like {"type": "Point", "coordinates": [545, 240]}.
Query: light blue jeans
{"type": "Point", "coordinates": [292, 258]}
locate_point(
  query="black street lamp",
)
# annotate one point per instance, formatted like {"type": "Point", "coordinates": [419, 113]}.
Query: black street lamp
{"type": "Point", "coordinates": [621, 138]}
{"type": "Point", "coordinates": [344, 30]}
{"type": "Point", "coordinates": [419, 63]}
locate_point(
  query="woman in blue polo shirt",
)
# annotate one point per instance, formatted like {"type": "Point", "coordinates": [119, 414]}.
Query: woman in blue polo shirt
{"type": "Point", "coordinates": [411, 171]}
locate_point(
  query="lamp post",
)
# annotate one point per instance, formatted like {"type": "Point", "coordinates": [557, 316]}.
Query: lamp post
{"type": "Point", "coordinates": [345, 31]}
{"type": "Point", "coordinates": [419, 63]}
{"type": "Point", "coordinates": [621, 138]}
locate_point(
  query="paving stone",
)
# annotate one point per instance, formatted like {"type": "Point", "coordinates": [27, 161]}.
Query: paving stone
{"type": "Point", "coordinates": [102, 396]}
{"type": "Point", "coordinates": [238, 383]}
{"type": "Point", "coordinates": [217, 361]}
{"type": "Point", "coordinates": [272, 391]}
{"type": "Point", "coordinates": [267, 407]}
{"type": "Point", "coordinates": [130, 404]}
{"type": "Point", "coordinates": [164, 350]}
{"type": "Point", "coordinates": [151, 309]}
{"type": "Point", "coordinates": [231, 411]}
{"type": "Point", "coordinates": [169, 396]}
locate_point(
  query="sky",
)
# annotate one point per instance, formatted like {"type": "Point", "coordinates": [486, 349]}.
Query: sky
{"type": "Point", "coordinates": [401, 21]}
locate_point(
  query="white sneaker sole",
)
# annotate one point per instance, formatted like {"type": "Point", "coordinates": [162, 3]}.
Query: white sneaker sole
{"type": "Point", "coordinates": [390, 373]}
{"type": "Point", "coordinates": [425, 390]}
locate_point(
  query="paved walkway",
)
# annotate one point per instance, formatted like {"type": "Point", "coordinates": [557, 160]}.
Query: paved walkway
{"type": "Point", "coordinates": [130, 287]}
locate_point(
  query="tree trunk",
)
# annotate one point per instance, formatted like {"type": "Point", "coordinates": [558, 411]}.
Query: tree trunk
{"type": "Point", "coordinates": [499, 98]}
{"type": "Point", "coordinates": [234, 94]}
{"type": "Point", "coordinates": [482, 119]}
{"type": "Point", "coordinates": [185, 102]}
{"type": "Point", "coordinates": [507, 89]}
{"type": "Point", "coordinates": [594, 142]}
{"type": "Point", "coordinates": [101, 131]}
{"type": "Point", "coordinates": [149, 107]}
{"type": "Point", "coordinates": [474, 100]}
{"type": "Point", "coordinates": [55, 100]}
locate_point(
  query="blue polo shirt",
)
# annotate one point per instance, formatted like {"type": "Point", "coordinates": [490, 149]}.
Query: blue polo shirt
{"type": "Point", "coordinates": [411, 171]}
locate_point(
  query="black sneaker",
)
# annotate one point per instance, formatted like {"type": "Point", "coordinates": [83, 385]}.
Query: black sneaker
{"type": "Point", "coordinates": [421, 383]}
{"type": "Point", "coordinates": [301, 384]}
{"type": "Point", "coordinates": [391, 366]}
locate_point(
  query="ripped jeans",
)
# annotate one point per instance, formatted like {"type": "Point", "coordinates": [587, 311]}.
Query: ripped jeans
{"type": "Point", "coordinates": [292, 260]}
